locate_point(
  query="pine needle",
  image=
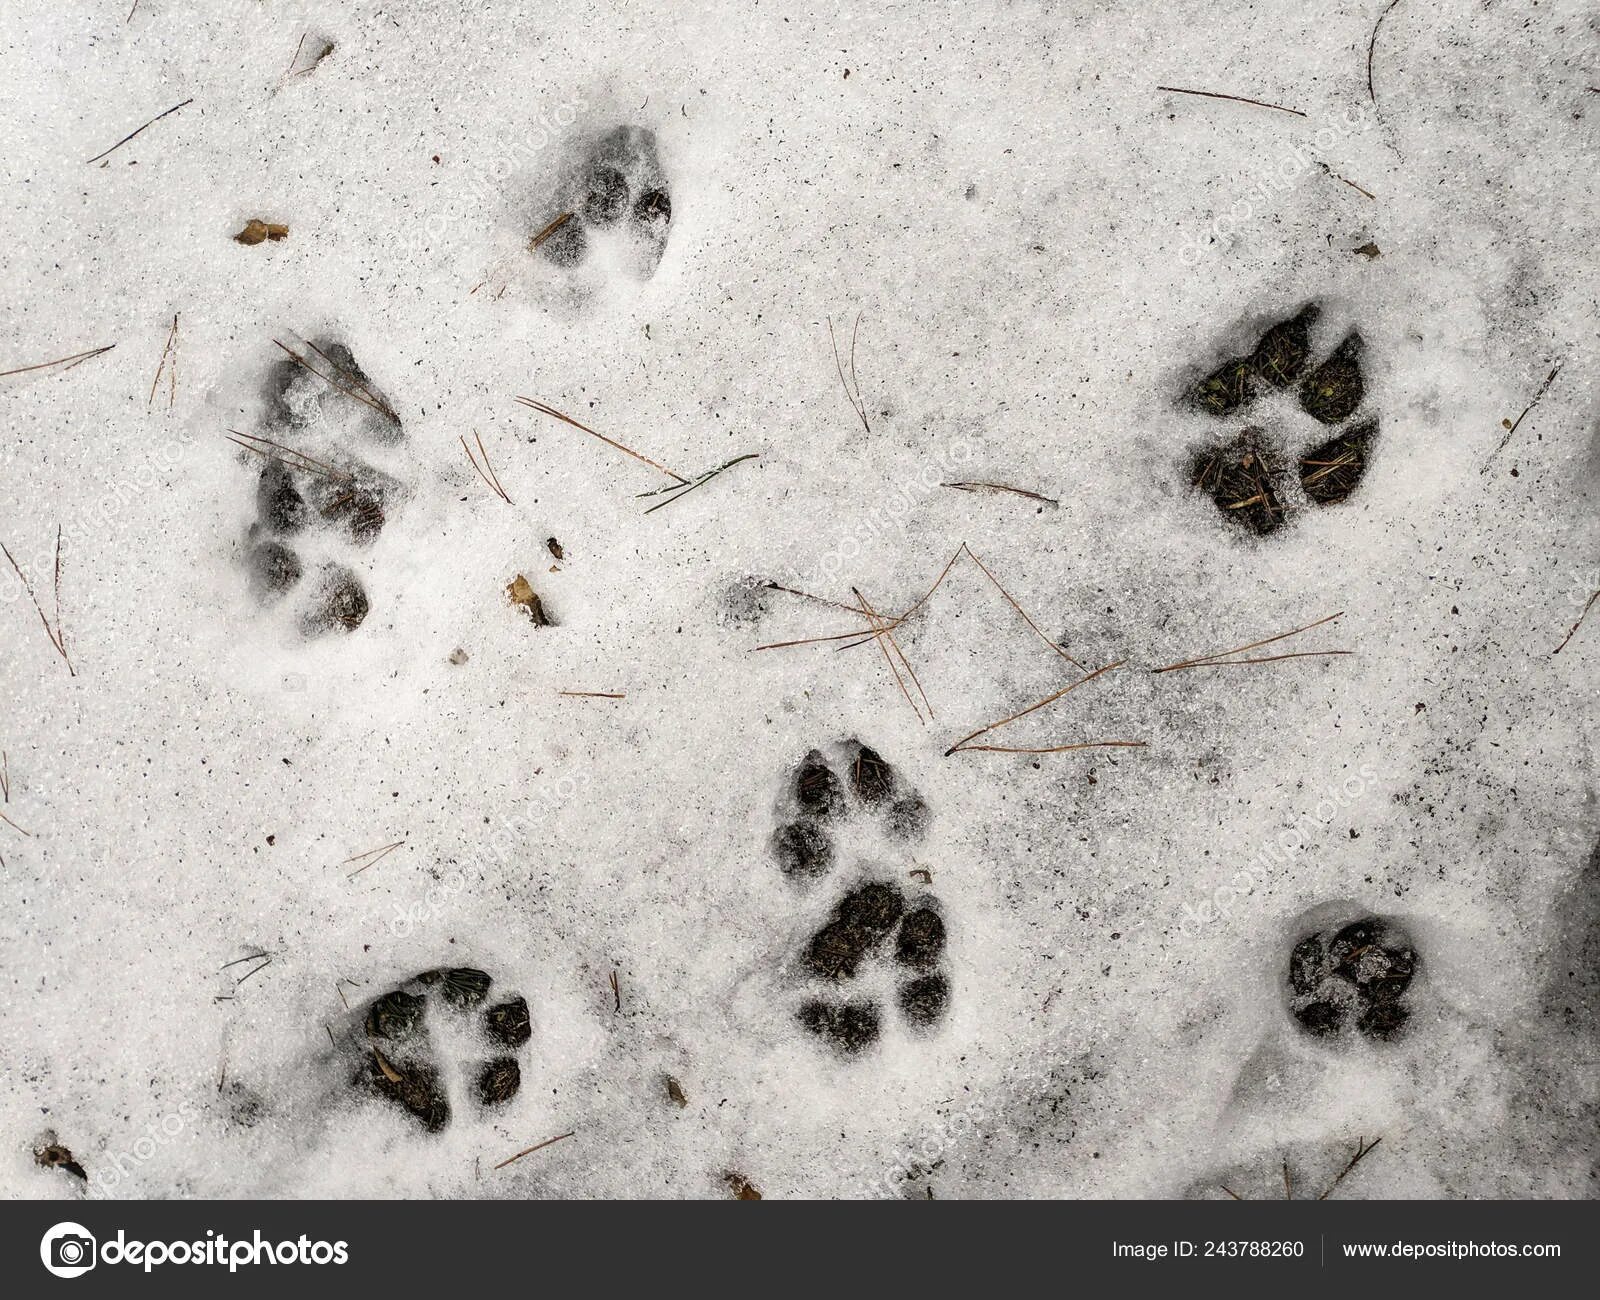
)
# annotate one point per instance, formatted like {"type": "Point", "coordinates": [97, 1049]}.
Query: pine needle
{"type": "Point", "coordinates": [145, 127]}
{"type": "Point", "coordinates": [701, 481]}
{"type": "Point", "coordinates": [538, 1146]}
{"type": "Point", "coordinates": [545, 234]}
{"type": "Point", "coordinates": [891, 649]}
{"type": "Point", "coordinates": [852, 385]}
{"type": "Point", "coordinates": [1037, 631]}
{"type": "Point", "coordinates": [1511, 428]}
{"type": "Point", "coordinates": [376, 856]}
{"type": "Point", "coordinates": [270, 450]}
{"type": "Point", "coordinates": [343, 381]}
{"type": "Point", "coordinates": [1363, 1150]}
{"type": "Point", "coordinates": [67, 363]}
{"type": "Point", "coordinates": [1573, 631]}
{"type": "Point", "coordinates": [1219, 658]}
{"type": "Point", "coordinates": [554, 414]}
{"type": "Point", "coordinates": [169, 352]}
{"type": "Point", "coordinates": [963, 743]}
{"type": "Point", "coordinates": [56, 634]}
{"type": "Point", "coordinates": [1238, 99]}
{"type": "Point", "coordinates": [486, 470]}
{"type": "Point", "coordinates": [1001, 488]}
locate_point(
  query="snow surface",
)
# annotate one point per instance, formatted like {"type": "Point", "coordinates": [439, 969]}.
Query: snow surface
{"type": "Point", "coordinates": [1044, 250]}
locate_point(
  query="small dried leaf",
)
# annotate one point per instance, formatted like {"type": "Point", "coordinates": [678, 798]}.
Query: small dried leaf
{"type": "Point", "coordinates": [743, 1189]}
{"type": "Point", "coordinates": [675, 1092]}
{"type": "Point", "coordinates": [55, 1156]}
{"type": "Point", "coordinates": [521, 593]}
{"type": "Point", "coordinates": [256, 231]}
{"type": "Point", "coordinates": [389, 1072]}
{"type": "Point", "coordinates": [555, 548]}
{"type": "Point", "coordinates": [1368, 251]}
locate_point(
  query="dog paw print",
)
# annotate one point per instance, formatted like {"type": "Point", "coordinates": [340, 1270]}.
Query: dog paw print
{"type": "Point", "coordinates": [617, 198]}
{"type": "Point", "coordinates": [319, 501]}
{"type": "Point", "coordinates": [1248, 476]}
{"type": "Point", "coordinates": [439, 1035]}
{"type": "Point", "coordinates": [1355, 978]}
{"type": "Point", "coordinates": [881, 942]}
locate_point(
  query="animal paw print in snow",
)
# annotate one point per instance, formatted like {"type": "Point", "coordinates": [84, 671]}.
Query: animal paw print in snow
{"type": "Point", "coordinates": [317, 502]}
{"type": "Point", "coordinates": [1356, 978]}
{"type": "Point", "coordinates": [406, 1057]}
{"type": "Point", "coordinates": [1246, 476]}
{"type": "Point", "coordinates": [876, 936]}
{"type": "Point", "coordinates": [618, 193]}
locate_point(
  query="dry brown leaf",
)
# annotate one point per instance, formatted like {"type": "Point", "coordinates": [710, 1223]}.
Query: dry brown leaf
{"type": "Point", "coordinates": [256, 231]}
{"type": "Point", "coordinates": [1368, 251]}
{"type": "Point", "coordinates": [389, 1072]}
{"type": "Point", "coordinates": [743, 1189]}
{"type": "Point", "coordinates": [521, 593]}
{"type": "Point", "coordinates": [675, 1091]}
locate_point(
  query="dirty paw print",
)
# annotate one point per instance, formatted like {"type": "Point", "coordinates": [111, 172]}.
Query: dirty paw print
{"type": "Point", "coordinates": [878, 942]}
{"type": "Point", "coordinates": [438, 1035]}
{"type": "Point", "coordinates": [1358, 977]}
{"type": "Point", "coordinates": [319, 501]}
{"type": "Point", "coordinates": [1247, 476]}
{"type": "Point", "coordinates": [617, 201]}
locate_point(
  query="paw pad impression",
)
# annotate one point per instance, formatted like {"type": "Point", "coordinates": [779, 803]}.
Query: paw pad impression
{"type": "Point", "coordinates": [1247, 476]}
{"type": "Point", "coordinates": [403, 1059]}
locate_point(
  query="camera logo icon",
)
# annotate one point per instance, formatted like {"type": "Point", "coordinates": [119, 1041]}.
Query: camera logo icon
{"type": "Point", "coordinates": [68, 1250]}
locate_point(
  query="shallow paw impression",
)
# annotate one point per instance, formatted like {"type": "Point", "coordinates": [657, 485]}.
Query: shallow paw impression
{"type": "Point", "coordinates": [1247, 473]}
{"type": "Point", "coordinates": [1356, 978]}
{"type": "Point", "coordinates": [437, 1033]}
{"type": "Point", "coordinates": [318, 502]}
{"type": "Point", "coordinates": [816, 796]}
{"type": "Point", "coordinates": [618, 195]}
{"type": "Point", "coordinates": [877, 944]}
